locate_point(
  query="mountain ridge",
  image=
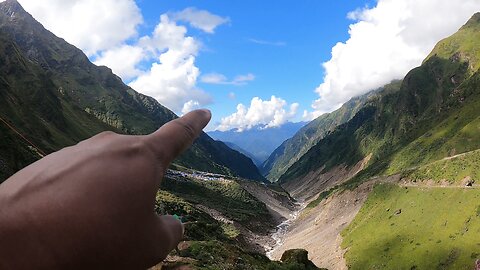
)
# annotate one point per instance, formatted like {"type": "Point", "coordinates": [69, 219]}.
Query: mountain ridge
{"type": "Point", "coordinates": [420, 122]}
{"type": "Point", "coordinates": [294, 148]}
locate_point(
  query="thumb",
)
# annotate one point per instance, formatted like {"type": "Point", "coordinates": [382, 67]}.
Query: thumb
{"type": "Point", "coordinates": [169, 232]}
{"type": "Point", "coordinates": [177, 135]}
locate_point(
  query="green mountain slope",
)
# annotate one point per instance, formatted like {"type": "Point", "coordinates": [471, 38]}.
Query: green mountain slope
{"type": "Point", "coordinates": [53, 96]}
{"type": "Point", "coordinates": [433, 115]}
{"type": "Point", "coordinates": [408, 228]}
{"type": "Point", "coordinates": [294, 148]}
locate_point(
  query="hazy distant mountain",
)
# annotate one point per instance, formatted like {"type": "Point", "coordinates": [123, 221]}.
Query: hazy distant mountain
{"type": "Point", "coordinates": [257, 141]}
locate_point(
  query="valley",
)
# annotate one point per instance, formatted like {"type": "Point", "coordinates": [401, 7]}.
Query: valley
{"type": "Point", "coordinates": [228, 221]}
{"type": "Point", "coordinates": [389, 180]}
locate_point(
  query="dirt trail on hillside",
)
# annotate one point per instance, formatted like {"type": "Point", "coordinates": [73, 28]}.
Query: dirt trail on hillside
{"type": "Point", "coordinates": [318, 230]}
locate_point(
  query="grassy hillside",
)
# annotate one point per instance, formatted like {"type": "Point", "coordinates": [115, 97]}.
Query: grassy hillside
{"type": "Point", "coordinates": [462, 45]}
{"type": "Point", "coordinates": [227, 197]}
{"type": "Point", "coordinates": [458, 170]}
{"type": "Point", "coordinates": [53, 96]}
{"type": "Point", "coordinates": [294, 148]}
{"type": "Point", "coordinates": [433, 115]}
{"type": "Point", "coordinates": [415, 228]}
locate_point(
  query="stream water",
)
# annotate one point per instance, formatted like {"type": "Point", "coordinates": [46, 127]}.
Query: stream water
{"type": "Point", "coordinates": [279, 235]}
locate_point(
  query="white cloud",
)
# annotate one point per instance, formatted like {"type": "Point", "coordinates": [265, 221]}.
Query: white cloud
{"type": "Point", "coordinates": [213, 78]}
{"type": "Point", "coordinates": [217, 78]}
{"type": "Point", "coordinates": [242, 79]}
{"type": "Point", "coordinates": [385, 43]}
{"type": "Point", "coordinates": [270, 113]}
{"type": "Point", "coordinates": [265, 42]}
{"type": "Point", "coordinates": [161, 65]}
{"type": "Point", "coordinates": [123, 60]}
{"type": "Point", "coordinates": [200, 19]}
{"type": "Point", "coordinates": [190, 106]}
{"type": "Point", "coordinates": [91, 25]}
{"type": "Point", "coordinates": [172, 77]}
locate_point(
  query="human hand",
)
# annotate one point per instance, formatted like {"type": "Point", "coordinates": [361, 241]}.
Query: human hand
{"type": "Point", "coordinates": [91, 206]}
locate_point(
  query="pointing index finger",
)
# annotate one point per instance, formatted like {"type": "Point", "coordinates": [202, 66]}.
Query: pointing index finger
{"type": "Point", "coordinates": [176, 136]}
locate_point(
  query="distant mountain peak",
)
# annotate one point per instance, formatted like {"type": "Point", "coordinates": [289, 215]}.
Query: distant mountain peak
{"type": "Point", "coordinates": [260, 127]}
{"type": "Point", "coordinates": [12, 11]}
{"type": "Point", "coordinates": [11, 8]}
{"type": "Point", "coordinates": [461, 46]}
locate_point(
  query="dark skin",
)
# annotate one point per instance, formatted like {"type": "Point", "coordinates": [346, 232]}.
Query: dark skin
{"type": "Point", "coordinates": [91, 206]}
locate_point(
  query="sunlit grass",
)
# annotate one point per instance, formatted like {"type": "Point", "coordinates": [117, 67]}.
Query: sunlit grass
{"type": "Point", "coordinates": [415, 228]}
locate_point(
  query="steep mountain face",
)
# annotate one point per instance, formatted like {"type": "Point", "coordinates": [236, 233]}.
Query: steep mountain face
{"type": "Point", "coordinates": [292, 149]}
{"type": "Point", "coordinates": [54, 97]}
{"type": "Point", "coordinates": [433, 115]}
{"type": "Point", "coordinates": [389, 187]}
{"type": "Point", "coordinates": [258, 141]}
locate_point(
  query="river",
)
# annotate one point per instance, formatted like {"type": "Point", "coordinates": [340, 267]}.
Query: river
{"type": "Point", "coordinates": [282, 230]}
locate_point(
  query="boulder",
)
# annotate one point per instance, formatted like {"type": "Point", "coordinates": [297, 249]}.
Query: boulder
{"type": "Point", "coordinates": [298, 257]}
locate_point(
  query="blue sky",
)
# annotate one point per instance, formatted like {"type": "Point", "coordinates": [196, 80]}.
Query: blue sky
{"type": "Point", "coordinates": [254, 62]}
{"type": "Point", "coordinates": [302, 35]}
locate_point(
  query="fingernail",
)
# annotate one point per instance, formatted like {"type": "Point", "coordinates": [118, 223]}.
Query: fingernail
{"type": "Point", "coordinates": [207, 111]}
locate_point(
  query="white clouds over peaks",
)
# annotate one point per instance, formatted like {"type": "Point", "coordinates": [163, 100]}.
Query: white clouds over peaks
{"type": "Point", "coordinates": [270, 113]}
{"type": "Point", "coordinates": [386, 42]}
{"type": "Point", "coordinates": [161, 65]}
{"type": "Point", "coordinates": [200, 19]}
{"type": "Point", "coordinates": [123, 60]}
{"type": "Point", "coordinates": [91, 25]}
{"type": "Point", "coordinates": [172, 77]}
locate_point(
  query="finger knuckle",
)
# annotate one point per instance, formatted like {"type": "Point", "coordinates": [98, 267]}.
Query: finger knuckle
{"type": "Point", "coordinates": [139, 146]}
{"type": "Point", "coordinates": [105, 134]}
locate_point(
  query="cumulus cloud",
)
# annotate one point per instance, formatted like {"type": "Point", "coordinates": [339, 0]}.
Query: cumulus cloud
{"type": "Point", "coordinates": [123, 60]}
{"type": "Point", "coordinates": [172, 77]}
{"type": "Point", "coordinates": [91, 25]}
{"type": "Point", "coordinates": [385, 43]}
{"type": "Point", "coordinates": [190, 106]}
{"type": "Point", "coordinates": [269, 113]}
{"type": "Point", "coordinates": [200, 19]}
{"type": "Point", "coordinates": [217, 78]}
{"type": "Point", "coordinates": [161, 65]}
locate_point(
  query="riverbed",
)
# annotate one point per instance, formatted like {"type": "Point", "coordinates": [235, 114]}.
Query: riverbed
{"type": "Point", "coordinates": [281, 230]}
